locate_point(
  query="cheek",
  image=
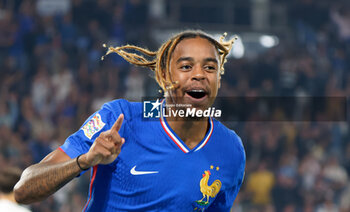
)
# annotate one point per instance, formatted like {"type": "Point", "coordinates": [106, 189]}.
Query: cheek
{"type": "Point", "coordinates": [215, 85]}
{"type": "Point", "coordinates": [175, 75]}
{"type": "Point", "coordinates": [215, 81]}
{"type": "Point", "coordinates": [219, 81]}
{"type": "Point", "coordinates": [181, 77]}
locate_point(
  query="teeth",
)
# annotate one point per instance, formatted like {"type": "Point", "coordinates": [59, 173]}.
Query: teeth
{"type": "Point", "coordinates": [202, 91]}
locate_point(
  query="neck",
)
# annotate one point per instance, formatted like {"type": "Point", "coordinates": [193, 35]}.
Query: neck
{"type": "Point", "coordinates": [190, 131]}
{"type": "Point", "coordinates": [9, 197]}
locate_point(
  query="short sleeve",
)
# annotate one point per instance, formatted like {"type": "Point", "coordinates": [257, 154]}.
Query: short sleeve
{"type": "Point", "coordinates": [102, 120]}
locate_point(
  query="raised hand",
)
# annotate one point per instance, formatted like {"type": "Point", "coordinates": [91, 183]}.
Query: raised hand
{"type": "Point", "coordinates": [106, 147]}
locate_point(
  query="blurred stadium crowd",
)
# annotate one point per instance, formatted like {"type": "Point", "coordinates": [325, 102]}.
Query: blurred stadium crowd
{"type": "Point", "coordinates": [52, 79]}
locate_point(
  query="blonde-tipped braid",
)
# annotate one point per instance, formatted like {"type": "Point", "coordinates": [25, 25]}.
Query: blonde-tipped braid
{"type": "Point", "coordinates": [161, 62]}
{"type": "Point", "coordinates": [224, 50]}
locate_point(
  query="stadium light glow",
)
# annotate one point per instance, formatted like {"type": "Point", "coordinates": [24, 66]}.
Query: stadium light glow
{"type": "Point", "coordinates": [268, 41]}
{"type": "Point", "coordinates": [238, 48]}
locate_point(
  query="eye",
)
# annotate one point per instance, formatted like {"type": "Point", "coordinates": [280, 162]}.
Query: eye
{"type": "Point", "coordinates": [210, 68]}
{"type": "Point", "coordinates": [185, 67]}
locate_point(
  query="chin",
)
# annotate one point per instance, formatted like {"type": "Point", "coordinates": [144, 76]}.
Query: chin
{"type": "Point", "coordinates": [202, 105]}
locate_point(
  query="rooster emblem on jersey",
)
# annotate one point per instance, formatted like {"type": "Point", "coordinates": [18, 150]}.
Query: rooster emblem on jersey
{"type": "Point", "coordinates": [208, 190]}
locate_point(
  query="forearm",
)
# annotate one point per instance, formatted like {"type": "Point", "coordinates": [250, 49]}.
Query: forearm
{"type": "Point", "coordinates": [41, 180]}
{"type": "Point", "coordinates": [57, 168]}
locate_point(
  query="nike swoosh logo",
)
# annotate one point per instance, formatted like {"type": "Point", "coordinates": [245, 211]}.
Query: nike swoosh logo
{"type": "Point", "coordinates": [134, 172]}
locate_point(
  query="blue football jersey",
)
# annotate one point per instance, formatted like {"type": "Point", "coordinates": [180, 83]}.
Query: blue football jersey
{"type": "Point", "coordinates": [155, 170]}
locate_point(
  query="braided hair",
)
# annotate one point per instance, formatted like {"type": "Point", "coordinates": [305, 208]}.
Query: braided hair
{"type": "Point", "coordinates": [161, 58]}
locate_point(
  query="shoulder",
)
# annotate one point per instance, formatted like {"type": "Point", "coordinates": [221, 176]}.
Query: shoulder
{"type": "Point", "coordinates": [231, 138]}
{"type": "Point", "coordinates": [118, 106]}
{"type": "Point", "coordinates": [121, 104]}
{"type": "Point", "coordinates": [233, 149]}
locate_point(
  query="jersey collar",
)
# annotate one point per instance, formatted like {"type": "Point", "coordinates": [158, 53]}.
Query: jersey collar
{"type": "Point", "coordinates": [175, 138]}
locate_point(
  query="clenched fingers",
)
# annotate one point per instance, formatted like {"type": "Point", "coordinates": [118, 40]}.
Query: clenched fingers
{"type": "Point", "coordinates": [106, 144]}
{"type": "Point", "coordinates": [111, 136]}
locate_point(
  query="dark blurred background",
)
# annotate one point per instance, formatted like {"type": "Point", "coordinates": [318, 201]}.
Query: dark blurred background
{"type": "Point", "coordinates": [52, 79]}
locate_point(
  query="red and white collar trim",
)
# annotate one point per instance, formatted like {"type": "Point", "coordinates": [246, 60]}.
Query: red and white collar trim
{"type": "Point", "coordinates": [177, 141]}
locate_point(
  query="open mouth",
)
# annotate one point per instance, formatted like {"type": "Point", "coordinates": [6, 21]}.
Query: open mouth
{"type": "Point", "coordinates": [197, 94]}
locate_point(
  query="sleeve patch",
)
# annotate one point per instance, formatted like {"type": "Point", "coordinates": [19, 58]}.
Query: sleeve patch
{"type": "Point", "coordinates": [93, 126]}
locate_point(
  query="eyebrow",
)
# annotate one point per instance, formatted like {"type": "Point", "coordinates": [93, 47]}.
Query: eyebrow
{"type": "Point", "coordinates": [184, 59]}
{"type": "Point", "coordinates": [209, 59]}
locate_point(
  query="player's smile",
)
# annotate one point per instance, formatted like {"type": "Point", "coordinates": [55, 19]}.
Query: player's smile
{"type": "Point", "coordinates": [197, 94]}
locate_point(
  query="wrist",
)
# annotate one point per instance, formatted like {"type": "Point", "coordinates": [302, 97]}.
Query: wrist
{"type": "Point", "coordinates": [81, 162]}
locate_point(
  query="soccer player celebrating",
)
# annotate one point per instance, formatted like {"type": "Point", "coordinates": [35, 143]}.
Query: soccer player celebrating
{"type": "Point", "coordinates": [179, 164]}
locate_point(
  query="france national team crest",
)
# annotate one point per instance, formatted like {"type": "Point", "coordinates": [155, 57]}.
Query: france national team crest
{"type": "Point", "coordinates": [208, 191]}
{"type": "Point", "coordinates": [152, 109]}
{"type": "Point", "coordinates": [93, 126]}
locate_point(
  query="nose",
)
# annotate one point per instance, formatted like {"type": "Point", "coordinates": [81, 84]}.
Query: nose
{"type": "Point", "coordinates": [198, 73]}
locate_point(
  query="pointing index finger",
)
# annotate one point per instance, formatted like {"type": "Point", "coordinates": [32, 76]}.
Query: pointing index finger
{"type": "Point", "coordinates": [117, 124]}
